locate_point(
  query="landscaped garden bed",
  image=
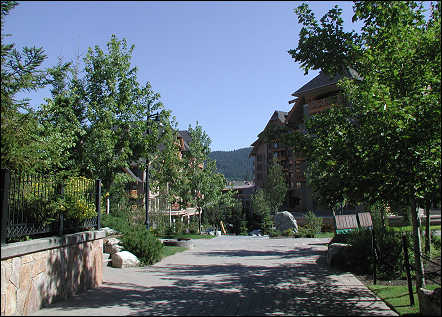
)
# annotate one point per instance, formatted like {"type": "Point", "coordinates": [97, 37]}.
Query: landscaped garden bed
{"type": "Point", "coordinates": [391, 283]}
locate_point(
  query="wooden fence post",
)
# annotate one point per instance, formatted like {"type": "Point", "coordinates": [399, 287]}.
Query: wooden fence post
{"type": "Point", "coordinates": [6, 177]}
{"type": "Point", "coordinates": [407, 268]}
{"type": "Point", "coordinates": [98, 202]}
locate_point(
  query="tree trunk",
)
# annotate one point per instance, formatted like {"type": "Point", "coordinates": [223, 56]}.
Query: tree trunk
{"type": "Point", "coordinates": [427, 228]}
{"type": "Point", "coordinates": [107, 205]}
{"type": "Point", "coordinates": [419, 267]}
{"type": "Point", "coordinates": [107, 186]}
{"type": "Point", "coordinates": [199, 220]}
{"type": "Point", "coordinates": [383, 218]}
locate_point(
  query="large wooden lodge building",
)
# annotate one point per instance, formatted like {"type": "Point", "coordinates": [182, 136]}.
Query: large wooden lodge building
{"type": "Point", "coordinates": [315, 96]}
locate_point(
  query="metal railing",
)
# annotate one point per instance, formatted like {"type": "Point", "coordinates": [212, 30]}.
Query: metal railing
{"type": "Point", "coordinates": [36, 204]}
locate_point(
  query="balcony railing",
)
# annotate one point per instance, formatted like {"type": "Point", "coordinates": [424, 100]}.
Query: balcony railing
{"type": "Point", "coordinates": [324, 103]}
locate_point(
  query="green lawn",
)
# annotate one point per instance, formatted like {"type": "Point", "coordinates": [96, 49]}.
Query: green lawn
{"type": "Point", "coordinates": [409, 228]}
{"type": "Point", "coordinates": [398, 299]}
{"type": "Point", "coordinates": [325, 235]}
{"type": "Point", "coordinates": [171, 250]}
{"type": "Point", "coordinates": [188, 236]}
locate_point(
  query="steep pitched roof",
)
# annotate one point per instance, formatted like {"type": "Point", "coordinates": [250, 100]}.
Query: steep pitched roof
{"type": "Point", "coordinates": [277, 115]}
{"type": "Point", "coordinates": [323, 80]}
{"type": "Point", "coordinates": [280, 116]}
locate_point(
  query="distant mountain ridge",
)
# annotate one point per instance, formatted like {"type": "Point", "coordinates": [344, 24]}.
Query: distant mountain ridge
{"type": "Point", "coordinates": [234, 165]}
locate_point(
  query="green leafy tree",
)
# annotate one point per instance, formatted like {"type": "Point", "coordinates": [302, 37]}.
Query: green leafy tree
{"type": "Point", "coordinates": [36, 138]}
{"type": "Point", "coordinates": [117, 109]}
{"type": "Point", "coordinates": [166, 165]}
{"type": "Point", "coordinates": [374, 149]}
{"type": "Point", "coordinates": [62, 119]}
{"type": "Point", "coordinates": [201, 184]}
{"type": "Point", "coordinates": [261, 212]}
{"type": "Point", "coordinates": [21, 142]}
{"type": "Point", "coordinates": [275, 187]}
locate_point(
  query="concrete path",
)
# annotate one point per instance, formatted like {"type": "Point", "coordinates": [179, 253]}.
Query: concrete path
{"type": "Point", "coordinates": [230, 276]}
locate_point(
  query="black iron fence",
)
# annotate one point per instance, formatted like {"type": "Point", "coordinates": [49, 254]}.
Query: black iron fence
{"type": "Point", "coordinates": [34, 205]}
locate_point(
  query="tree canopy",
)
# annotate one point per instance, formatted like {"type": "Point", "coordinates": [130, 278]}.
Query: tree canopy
{"type": "Point", "coordinates": [396, 103]}
{"type": "Point", "coordinates": [385, 143]}
{"type": "Point", "coordinates": [23, 141]}
{"type": "Point", "coordinates": [275, 187]}
{"type": "Point", "coordinates": [204, 184]}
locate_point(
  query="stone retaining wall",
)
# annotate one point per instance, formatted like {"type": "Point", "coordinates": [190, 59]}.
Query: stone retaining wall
{"type": "Point", "coordinates": [38, 272]}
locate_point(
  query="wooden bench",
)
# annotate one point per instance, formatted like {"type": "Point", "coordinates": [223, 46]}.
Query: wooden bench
{"type": "Point", "coordinates": [347, 223]}
{"type": "Point", "coordinates": [364, 220]}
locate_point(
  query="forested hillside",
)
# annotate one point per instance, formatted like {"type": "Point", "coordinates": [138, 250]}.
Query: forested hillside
{"type": "Point", "coordinates": [235, 165]}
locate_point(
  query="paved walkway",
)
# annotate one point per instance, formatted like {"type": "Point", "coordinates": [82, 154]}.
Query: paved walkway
{"type": "Point", "coordinates": [230, 276]}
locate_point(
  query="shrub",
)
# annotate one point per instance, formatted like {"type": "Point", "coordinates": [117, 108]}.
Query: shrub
{"type": "Point", "coordinates": [340, 238]}
{"type": "Point", "coordinates": [243, 228]}
{"type": "Point", "coordinates": [313, 223]}
{"type": "Point", "coordinates": [390, 253]}
{"type": "Point", "coordinates": [137, 214]}
{"type": "Point", "coordinates": [194, 225]}
{"type": "Point", "coordinates": [135, 238]}
{"type": "Point", "coordinates": [179, 226]}
{"type": "Point", "coordinates": [288, 233]}
{"type": "Point", "coordinates": [77, 209]}
{"type": "Point", "coordinates": [118, 194]}
{"type": "Point", "coordinates": [274, 233]}
{"type": "Point", "coordinates": [120, 224]}
{"type": "Point", "coordinates": [160, 221]}
{"type": "Point", "coordinates": [143, 244]}
{"type": "Point", "coordinates": [169, 233]}
{"type": "Point", "coordinates": [42, 202]}
{"type": "Point", "coordinates": [361, 256]}
{"type": "Point", "coordinates": [327, 227]}
{"type": "Point", "coordinates": [436, 241]}
{"type": "Point", "coordinates": [41, 210]}
{"type": "Point", "coordinates": [304, 232]}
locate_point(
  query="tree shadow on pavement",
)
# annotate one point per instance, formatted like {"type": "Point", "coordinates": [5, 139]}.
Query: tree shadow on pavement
{"type": "Point", "coordinates": [292, 288]}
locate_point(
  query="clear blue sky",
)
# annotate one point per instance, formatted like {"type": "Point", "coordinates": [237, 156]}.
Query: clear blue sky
{"type": "Point", "coordinates": [223, 64]}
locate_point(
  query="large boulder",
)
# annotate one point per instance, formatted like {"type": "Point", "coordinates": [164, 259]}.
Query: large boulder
{"type": "Point", "coordinates": [256, 232]}
{"type": "Point", "coordinates": [284, 220]}
{"type": "Point", "coordinates": [430, 302]}
{"type": "Point", "coordinates": [111, 245]}
{"type": "Point", "coordinates": [109, 231]}
{"type": "Point", "coordinates": [124, 259]}
{"type": "Point", "coordinates": [338, 254]}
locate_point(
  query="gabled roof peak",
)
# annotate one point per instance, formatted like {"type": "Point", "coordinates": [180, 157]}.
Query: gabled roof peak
{"type": "Point", "coordinates": [323, 79]}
